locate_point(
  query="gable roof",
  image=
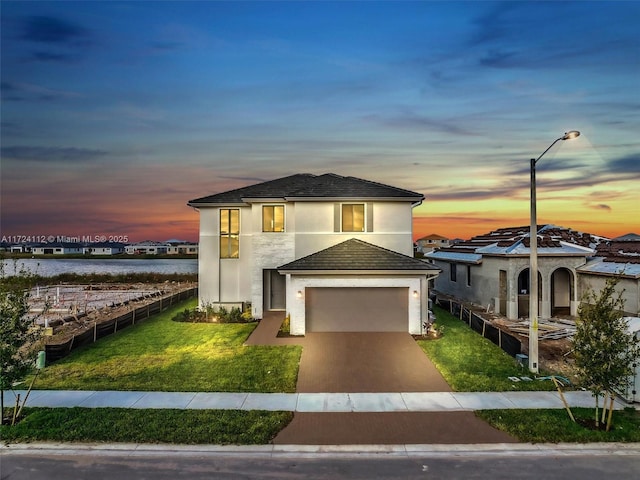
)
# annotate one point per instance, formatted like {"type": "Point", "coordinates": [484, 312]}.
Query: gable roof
{"type": "Point", "coordinates": [357, 255]}
{"type": "Point", "coordinates": [433, 236]}
{"type": "Point", "coordinates": [309, 187]}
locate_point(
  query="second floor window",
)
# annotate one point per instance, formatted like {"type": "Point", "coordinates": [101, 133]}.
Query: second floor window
{"type": "Point", "coordinates": [452, 272]}
{"type": "Point", "coordinates": [229, 233]}
{"type": "Point", "coordinates": [273, 218]}
{"type": "Point", "coordinates": [353, 217]}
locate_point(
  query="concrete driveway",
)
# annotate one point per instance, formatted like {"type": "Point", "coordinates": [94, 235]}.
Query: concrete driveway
{"type": "Point", "coordinates": [355, 362]}
{"type": "Point", "coordinates": [366, 362]}
{"type": "Point", "coordinates": [370, 363]}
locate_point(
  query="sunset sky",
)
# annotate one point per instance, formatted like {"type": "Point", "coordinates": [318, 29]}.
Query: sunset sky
{"type": "Point", "coordinates": [115, 114]}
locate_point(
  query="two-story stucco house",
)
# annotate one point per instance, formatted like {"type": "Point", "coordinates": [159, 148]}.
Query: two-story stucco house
{"type": "Point", "coordinates": [431, 242]}
{"type": "Point", "coordinates": [334, 252]}
{"type": "Point", "coordinates": [493, 269]}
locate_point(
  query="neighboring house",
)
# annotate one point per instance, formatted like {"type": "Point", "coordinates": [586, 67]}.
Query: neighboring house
{"type": "Point", "coordinates": [24, 247]}
{"type": "Point", "coordinates": [104, 248]}
{"type": "Point", "coordinates": [334, 252]}
{"type": "Point", "coordinates": [620, 258]}
{"type": "Point", "coordinates": [492, 270]}
{"type": "Point", "coordinates": [147, 247]}
{"type": "Point", "coordinates": [181, 248]}
{"type": "Point", "coordinates": [430, 242]}
{"type": "Point", "coordinates": [58, 248]}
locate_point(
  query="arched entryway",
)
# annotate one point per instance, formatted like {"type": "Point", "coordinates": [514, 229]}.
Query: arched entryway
{"type": "Point", "coordinates": [523, 293]}
{"type": "Point", "coordinates": [562, 292]}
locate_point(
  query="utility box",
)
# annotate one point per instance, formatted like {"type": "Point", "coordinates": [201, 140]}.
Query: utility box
{"type": "Point", "coordinates": [633, 390]}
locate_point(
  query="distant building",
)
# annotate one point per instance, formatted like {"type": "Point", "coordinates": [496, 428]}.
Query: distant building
{"type": "Point", "coordinates": [58, 248]}
{"type": "Point", "coordinates": [182, 248]}
{"type": "Point", "coordinates": [430, 242]}
{"type": "Point", "coordinates": [104, 248]}
{"type": "Point", "coordinates": [147, 247]}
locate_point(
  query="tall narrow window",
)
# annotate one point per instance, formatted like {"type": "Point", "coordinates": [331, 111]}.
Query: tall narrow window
{"type": "Point", "coordinates": [229, 233]}
{"type": "Point", "coordinates": [353, 217]}
{"type": "Point", "coordinates": [453, 271]}
{"type": "Point", "coordinates": [468, 275]}
{"type": "Point", "coordinates": [273, 218]}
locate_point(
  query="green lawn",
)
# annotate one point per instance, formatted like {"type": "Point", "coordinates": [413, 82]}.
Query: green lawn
{"type": "Point", "coordinates": [555, 425]}
{"type": "Point", "coordinates": [471, 363]}
{"type": "Point", "coordinates": [220, 427]}
{"type": "Point", "coordinates": [160, 354]}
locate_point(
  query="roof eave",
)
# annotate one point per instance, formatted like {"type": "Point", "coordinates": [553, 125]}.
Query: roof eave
{"type": "Point", "coordinates": [352, 199]}
{"type": "Point", "coordinates": [359, 272]}
{"type": "Point", "coordinates": [217, 204]}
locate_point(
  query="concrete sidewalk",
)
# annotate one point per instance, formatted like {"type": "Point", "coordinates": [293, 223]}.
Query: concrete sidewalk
{"type": "Point", "coordinates": [309, 402]}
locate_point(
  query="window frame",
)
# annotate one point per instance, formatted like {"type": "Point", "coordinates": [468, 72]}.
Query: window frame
{"type": "Point", "coordinates": [273, 216]}
{"type": "Point", "coordinates": [229, 235]}
{"type": "Point", "coordinates": [364, 217]}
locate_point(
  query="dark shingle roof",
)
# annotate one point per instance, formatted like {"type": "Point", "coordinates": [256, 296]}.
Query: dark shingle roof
{"type": "Point", "coordinates": [308, 186]}
{"type": "Point", "coordinates": [354, 254]}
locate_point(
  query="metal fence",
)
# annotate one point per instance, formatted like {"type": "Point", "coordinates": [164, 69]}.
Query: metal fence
{"type": "Point", "coordinates": [505, 341]}
{"type": "Point", "coordinates": [113, 325]}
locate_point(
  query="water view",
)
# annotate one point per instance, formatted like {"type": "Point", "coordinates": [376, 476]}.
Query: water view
{"type": "Point", "coordinates": [49, 267]}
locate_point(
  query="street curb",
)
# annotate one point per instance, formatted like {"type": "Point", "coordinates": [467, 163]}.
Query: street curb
{"type": "Point", "coordinates": [431, 450]}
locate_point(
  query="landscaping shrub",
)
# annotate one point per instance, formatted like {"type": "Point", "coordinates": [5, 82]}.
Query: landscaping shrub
{"type": "Point", "coordinates": [210, 314]}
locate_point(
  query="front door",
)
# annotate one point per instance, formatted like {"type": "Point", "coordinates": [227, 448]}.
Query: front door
{"type": "Point", "coordinates": [275, 286]}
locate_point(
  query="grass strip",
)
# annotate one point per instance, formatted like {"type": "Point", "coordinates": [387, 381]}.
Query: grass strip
{"type": "Point", "coordinates": [162, 355]}
{"type": "Point", "coordinates": [219, 427]}
{"type": "Point", "coordinates": [553, 426]}
{"type": "Point", "coordinates": [471, 363]}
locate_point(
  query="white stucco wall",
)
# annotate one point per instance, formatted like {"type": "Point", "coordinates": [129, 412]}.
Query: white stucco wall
{"type": "Point", "coordinates": [314, 223]}
{"type": "Point", "coordinates": [296, 305]}
{"type": "Point", "coordinates": [629, 287]}
{"type": "Point", "coordinates": [309, 228]}
{"type": "Point", "coordinates": [222, 280]}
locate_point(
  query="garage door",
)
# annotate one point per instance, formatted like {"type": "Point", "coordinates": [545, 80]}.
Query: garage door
{"type": "Point", "coordinates": [357, 309]}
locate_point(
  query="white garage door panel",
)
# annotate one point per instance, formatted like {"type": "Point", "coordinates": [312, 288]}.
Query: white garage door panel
{"type": "Point", "coordinates": [357, 309]}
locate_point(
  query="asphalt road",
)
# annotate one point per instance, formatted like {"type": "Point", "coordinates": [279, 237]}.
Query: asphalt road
{"type": "Point", "coordinates": [197, 465]}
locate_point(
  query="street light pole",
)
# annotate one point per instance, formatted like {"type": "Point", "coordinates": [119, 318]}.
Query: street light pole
{"type": "Point", "coordinates": [533, 260]}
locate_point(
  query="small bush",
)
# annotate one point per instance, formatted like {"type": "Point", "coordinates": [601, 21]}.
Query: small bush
{"type": "Point", "coordinates": [285, 328]}
{"type": "Point", "coordinates": [211, 314]}
{"type": "Point", "coordinates": [192, 316]}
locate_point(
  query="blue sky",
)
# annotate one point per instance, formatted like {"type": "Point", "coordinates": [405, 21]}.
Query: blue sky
{"type": "Point", "coordinates": [115, 114]}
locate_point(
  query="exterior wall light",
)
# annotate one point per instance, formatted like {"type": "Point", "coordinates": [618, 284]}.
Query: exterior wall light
{"type": "Point", "coordinates": [299, 294]}
{"type": "Point", "coordinates": [415, 294]}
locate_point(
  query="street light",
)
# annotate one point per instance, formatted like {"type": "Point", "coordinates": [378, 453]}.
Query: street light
{"type": "Point", "coordinates": [533, 260]}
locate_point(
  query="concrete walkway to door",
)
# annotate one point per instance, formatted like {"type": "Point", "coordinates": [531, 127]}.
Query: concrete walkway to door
{"type": "Point", "coordinates": [355, 362]}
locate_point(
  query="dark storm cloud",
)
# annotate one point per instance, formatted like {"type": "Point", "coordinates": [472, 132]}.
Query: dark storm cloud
{"type": "Point", "coordinates": [46, 29]}
{"type": "Point", "coordinates": [627, 164]}
{"type": "Point", "coordinates": [53, 57]}
{"type": "Point", "coordinates": [507, 191]}
{"type": "Point", "coordinates": [421, 122]}
{"type": "Point", "coordinates": [18, 92]}
{"type": "Point", "coordinates": [59, 40]}
{"type": "Point", "coordinates": [602, 206]}
{"type": "Point", "coordinates": [52, 154]}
